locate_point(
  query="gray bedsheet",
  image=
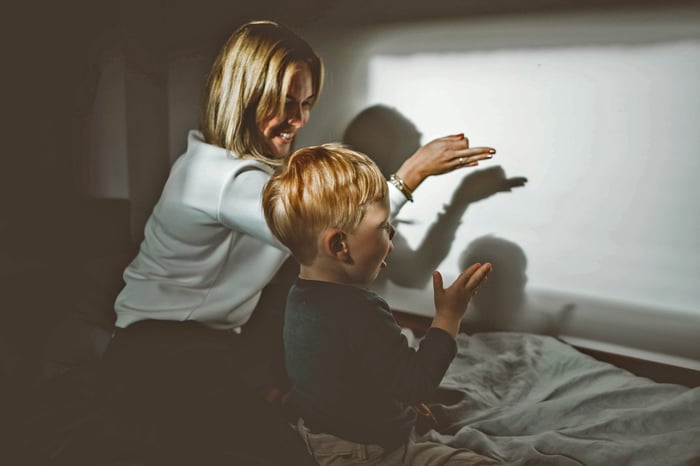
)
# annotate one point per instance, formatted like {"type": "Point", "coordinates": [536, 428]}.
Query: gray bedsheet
{"type": "Point", "coordinates": [532, 400]}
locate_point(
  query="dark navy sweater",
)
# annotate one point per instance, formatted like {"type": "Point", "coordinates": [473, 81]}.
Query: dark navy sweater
{"type": "Point", "coordinates": [353, 374]}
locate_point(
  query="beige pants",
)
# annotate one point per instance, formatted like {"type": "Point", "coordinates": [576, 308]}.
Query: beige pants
{"type": "Point", "coordinates": [329, 450]}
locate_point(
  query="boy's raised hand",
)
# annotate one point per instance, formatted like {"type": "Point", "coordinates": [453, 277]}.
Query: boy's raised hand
{"type": "Point", "coordinates": [451, 303]}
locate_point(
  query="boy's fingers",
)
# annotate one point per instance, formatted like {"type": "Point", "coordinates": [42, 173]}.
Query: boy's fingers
{"type": "Point", "coordinates": [437, 281]}
{"type": "Point", "coordinates": [478, 276]}
{"type": "Point", "coordinates": [480, 284]}
{"type": "Point", "coordinates": [466, 274]}
{"type": "Point", "coordinates": [469, 271]}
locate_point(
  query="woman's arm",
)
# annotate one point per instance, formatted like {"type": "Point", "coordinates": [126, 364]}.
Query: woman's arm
{"type": "Point", "coordinates": [439, 156]}
{"type": "Point", "coordinates": [240, 206]}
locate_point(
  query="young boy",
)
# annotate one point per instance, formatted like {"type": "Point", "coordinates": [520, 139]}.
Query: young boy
{"type": "Point", "coordinates": [354, 377]}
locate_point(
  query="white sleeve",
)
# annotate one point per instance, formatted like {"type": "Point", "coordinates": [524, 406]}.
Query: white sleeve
{"type": "Point", "coordinates": [396, 201]}
{"type": "Point", "coordinates": [240, 206]}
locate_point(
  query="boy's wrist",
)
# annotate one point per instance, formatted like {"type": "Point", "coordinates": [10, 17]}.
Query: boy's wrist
{"type": "Point", "coordinates": [449, 324]}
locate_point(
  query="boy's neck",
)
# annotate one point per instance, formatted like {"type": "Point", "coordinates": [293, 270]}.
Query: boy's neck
{"type": "Point", "coordinates": [323, 275]}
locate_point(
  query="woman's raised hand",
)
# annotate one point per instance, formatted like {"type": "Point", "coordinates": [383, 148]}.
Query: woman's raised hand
{"type": "Point", "coordinates": [441, 155]}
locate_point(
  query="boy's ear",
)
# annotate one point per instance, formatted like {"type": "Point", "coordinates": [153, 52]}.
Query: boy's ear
{"type": "Point", "coordinates": [335, 244]}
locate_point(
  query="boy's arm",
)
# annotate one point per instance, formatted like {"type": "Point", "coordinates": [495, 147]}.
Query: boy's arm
{"type": "Point", "coordinates": [391, 366]}
{"type": "Point", "coordinates": [412, 375]}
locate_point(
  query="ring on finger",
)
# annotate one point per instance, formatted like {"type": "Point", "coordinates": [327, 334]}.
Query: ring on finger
{"type": "Point", "coordinates": [461, 160]}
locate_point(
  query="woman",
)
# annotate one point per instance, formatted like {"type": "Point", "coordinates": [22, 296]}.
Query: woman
{"type": "Point", "coordinates": [182, 362]}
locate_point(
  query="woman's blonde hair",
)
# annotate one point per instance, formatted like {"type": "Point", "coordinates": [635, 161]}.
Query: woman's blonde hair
{"type": "Point", "coordinates": [248, 83]}
{"type": "Point", "coordinates": [320, 187]}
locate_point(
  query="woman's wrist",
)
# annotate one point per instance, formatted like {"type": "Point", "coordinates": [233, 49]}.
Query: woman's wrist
{"type": "Point", "coordinates": [399, 183]}
{"type": "Point", "coordinates": [410, 175]}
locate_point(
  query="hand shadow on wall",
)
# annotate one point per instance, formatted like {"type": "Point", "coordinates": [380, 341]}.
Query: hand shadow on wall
{"type": "Point", "coordinates": [501, 303]}
{"type": "Point", "coordinates": [388, 137]}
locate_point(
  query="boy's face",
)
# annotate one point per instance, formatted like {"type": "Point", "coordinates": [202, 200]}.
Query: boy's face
{"type": "Point", "coordinates": [371, 243]}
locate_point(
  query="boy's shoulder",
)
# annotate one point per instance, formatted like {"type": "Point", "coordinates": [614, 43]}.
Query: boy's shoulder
{"type": "Point", "coordinates": [342, 295]}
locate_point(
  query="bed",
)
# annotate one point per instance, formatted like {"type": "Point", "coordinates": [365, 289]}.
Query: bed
{"type": "Point", "coordinates": [531, 399]}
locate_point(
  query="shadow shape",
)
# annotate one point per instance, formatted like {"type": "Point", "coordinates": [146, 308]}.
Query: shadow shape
{"type": "Point", "coordinates": [501, 303]}
{"type": "Point", "coordinates": [388, 137]}
{"type": "Point", "coordinates": [385, 135]}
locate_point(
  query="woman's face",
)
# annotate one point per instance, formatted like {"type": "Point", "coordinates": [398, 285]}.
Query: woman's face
{"type": "Point", "coordinates": [279, 131]}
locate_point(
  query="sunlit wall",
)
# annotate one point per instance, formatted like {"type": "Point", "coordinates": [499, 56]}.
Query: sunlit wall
{"type": "Point", "coordinates": [600, 112]}
{"type": "Point", "coordinates": [608, 138]}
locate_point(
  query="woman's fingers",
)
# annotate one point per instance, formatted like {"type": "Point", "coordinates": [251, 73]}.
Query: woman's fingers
{"type": "Point", "coordinates": [458, 141]}
{"type": "Point", "coordinates": [451, 152]}
{"type": "Point", "coordinates": [471, 156]}
{"type": "Point", "coordinates": [475, 151]}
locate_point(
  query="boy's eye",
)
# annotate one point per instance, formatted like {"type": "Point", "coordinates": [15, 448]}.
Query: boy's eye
{"type": "Point", "coordinates": [390, 228]}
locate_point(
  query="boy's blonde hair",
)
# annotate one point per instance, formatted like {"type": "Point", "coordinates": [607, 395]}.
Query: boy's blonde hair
{"type": "Point", "coordinates": [248, 83]}
{"type": "Point", "coordinates": [317, 188]}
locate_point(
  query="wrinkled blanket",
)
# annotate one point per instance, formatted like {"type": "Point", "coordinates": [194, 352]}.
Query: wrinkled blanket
{"type": "Point", "coordinates": [533, 400]}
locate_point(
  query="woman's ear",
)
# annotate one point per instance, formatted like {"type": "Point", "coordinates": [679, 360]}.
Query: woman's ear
{"type": "Point", "coordinates": [335, 244]}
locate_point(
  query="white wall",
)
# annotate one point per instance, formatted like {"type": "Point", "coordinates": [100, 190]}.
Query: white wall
{"type": "Point", "coordinates": [600, 113]}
